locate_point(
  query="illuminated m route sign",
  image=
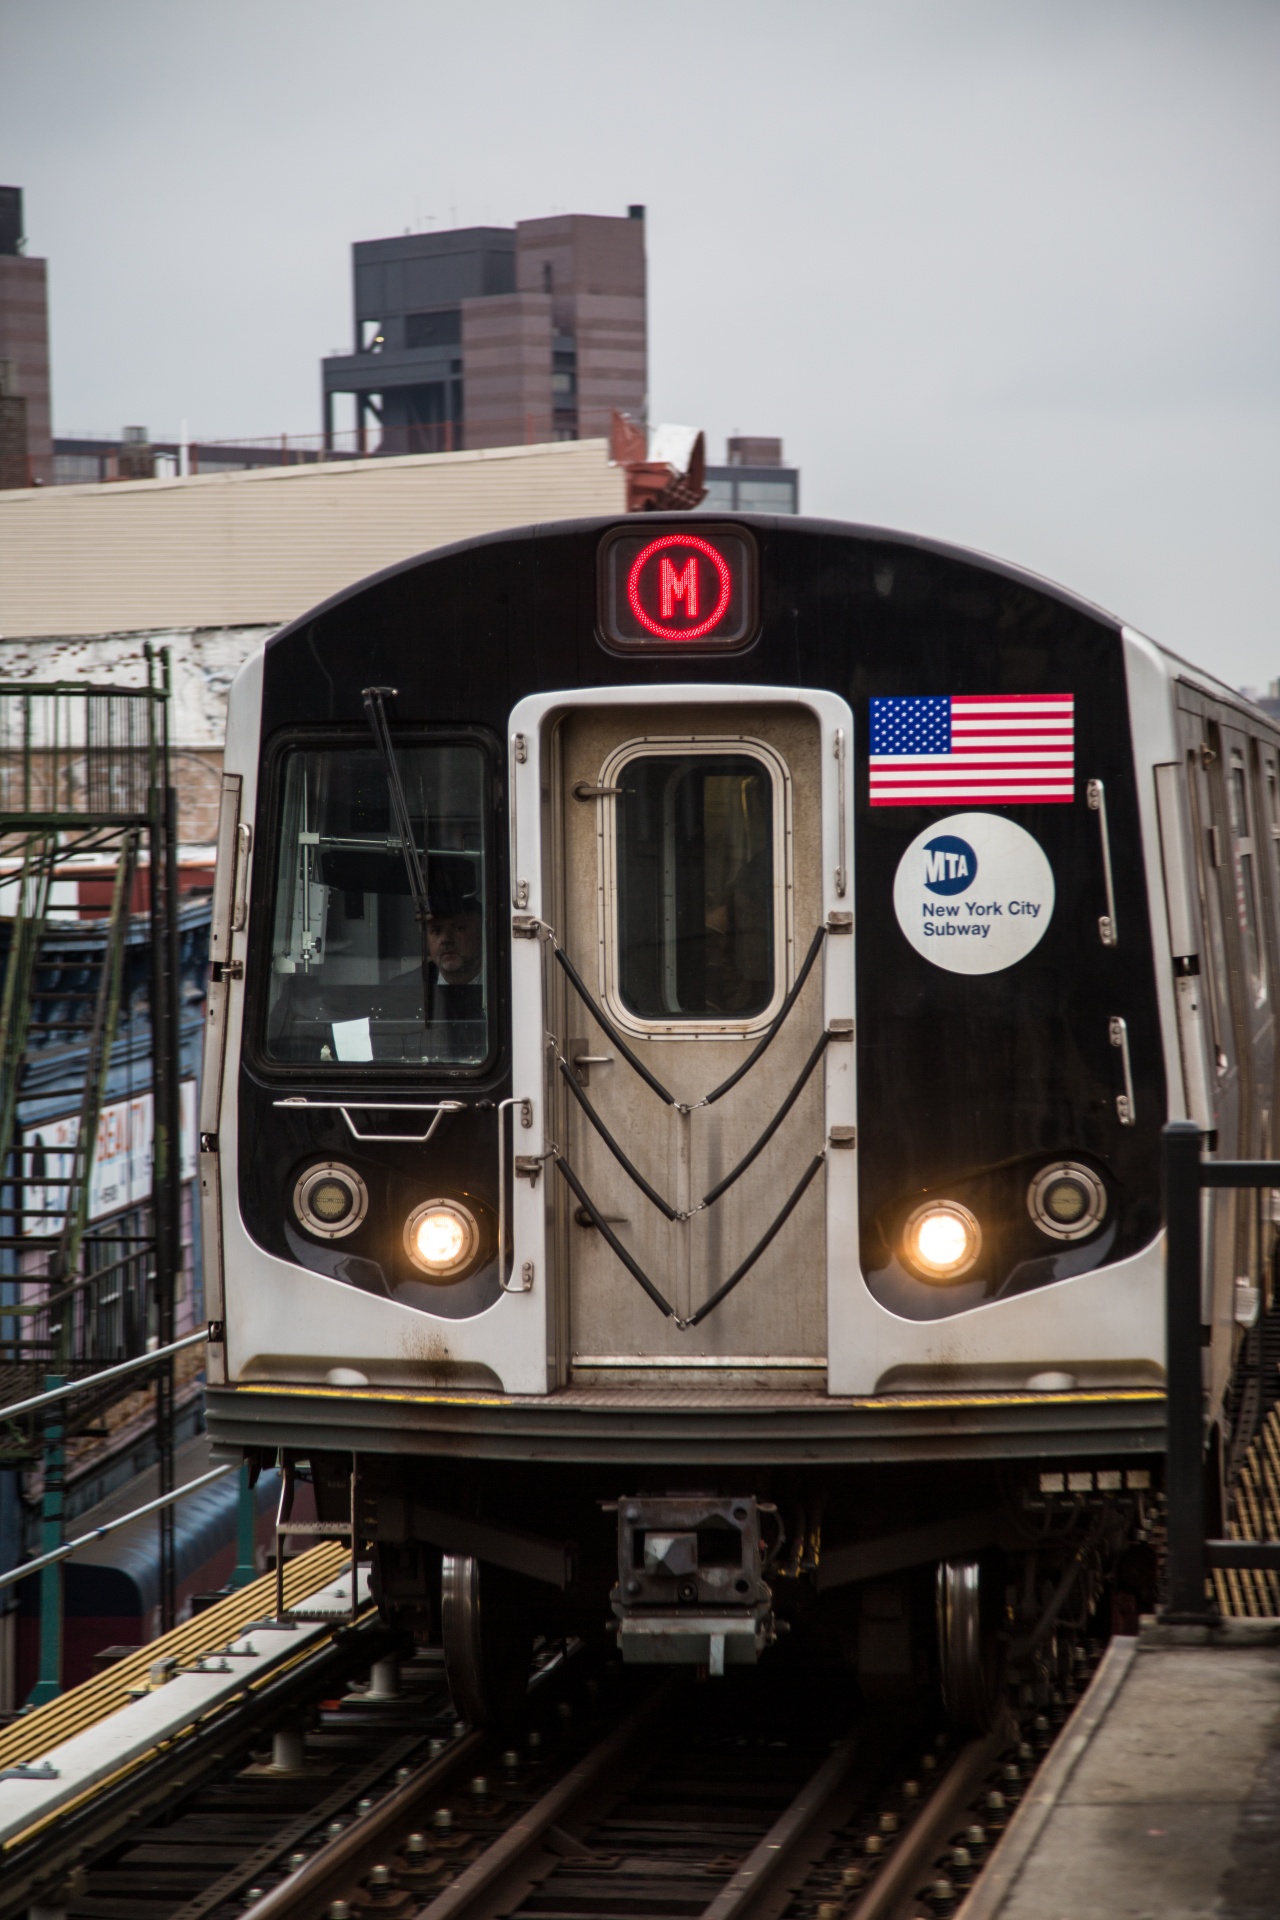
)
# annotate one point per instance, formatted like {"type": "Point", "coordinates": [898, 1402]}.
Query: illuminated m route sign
{"type": "Point", "coordinates": [674, 586]}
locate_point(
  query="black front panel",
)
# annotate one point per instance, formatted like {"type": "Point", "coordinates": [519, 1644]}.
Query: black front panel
{"type": "Point", "coordinates": [970, 1085]}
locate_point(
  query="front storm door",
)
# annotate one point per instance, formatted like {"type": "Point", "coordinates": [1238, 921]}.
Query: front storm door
{"type": "Point", "coordinates": [691, 895]}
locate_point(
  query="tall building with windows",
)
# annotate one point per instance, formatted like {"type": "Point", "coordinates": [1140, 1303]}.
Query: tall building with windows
{"type": "Point", "coordinates": [24, 350]}
{"type": "Point", "coordinates": [753, 479]}
{"type": "Point", "coordinates": [494, 336]}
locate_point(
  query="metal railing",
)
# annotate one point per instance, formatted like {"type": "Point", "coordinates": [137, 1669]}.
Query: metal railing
{"type": "Point", "coordinates": [151, 1357]}
{"type": "Point", "coordinates": [68, 1547]}
{"type": "Point", "coordinates": [78, 756]}
{"type": "Point", "coordinates": [84, 769]}
{"type": "Point", "coordinates": [1186, 1175]}
{"type": "Point", "coordinates": [94, 459]}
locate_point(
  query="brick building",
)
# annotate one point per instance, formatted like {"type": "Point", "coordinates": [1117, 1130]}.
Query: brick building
{"type": "Point", "coordinates": [24, 351]}
{"type": "Point", "coordinates": [495, 336]}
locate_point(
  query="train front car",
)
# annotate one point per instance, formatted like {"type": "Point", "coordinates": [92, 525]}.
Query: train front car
{"type": "Point", "coordinates": [686, 1158]}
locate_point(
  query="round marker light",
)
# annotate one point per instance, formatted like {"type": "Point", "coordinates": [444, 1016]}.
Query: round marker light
{"type": "Point", "coordinates": [441, 1237]}
{"type": "Point", "coordinates": [941, 1240]}
{"type": "Point", "coordinates": [330, 1200]}
{"type": "Point", "coordinates": [1067, 1201]}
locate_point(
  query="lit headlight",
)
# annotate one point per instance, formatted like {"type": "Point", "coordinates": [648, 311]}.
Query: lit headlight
{"type": "Point", "coordinates": [941, 1240]}
{"type": "Point", "coordinates": [441, 1237]}
{"type": "Point", "coordinates": [330, 1200]}
{"type": "Point", "coordinates": [1067, 1201]}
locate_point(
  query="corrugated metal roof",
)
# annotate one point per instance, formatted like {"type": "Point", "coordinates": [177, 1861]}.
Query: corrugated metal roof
{"type": "Point", "coordinates": [259, 548]}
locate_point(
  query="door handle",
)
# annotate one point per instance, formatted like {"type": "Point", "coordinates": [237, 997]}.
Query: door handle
{"type": "Point", "coordinates": [525, 1281]}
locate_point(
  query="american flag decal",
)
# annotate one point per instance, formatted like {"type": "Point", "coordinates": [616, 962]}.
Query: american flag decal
{"type": "Point", "coordinates": [1008, 749]}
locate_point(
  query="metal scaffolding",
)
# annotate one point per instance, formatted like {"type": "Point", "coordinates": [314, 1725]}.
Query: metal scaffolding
{"type": "Point", "coordinates": [88, 843]}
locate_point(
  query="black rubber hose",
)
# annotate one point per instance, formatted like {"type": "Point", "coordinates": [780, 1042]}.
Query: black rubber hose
{"type": "Point", "coordinates": [607, 1026]}
{"type": "Point", "coordinates": [649, 1192]}
{"type": "Point", "coordinates": [775, 1026]}
{"type": "Point", "coordinates": [636, 1272]}
{"type": "Point", "coordinates": [709, 1199]}
{"type": "Point", "coordinates": [740, 1273]}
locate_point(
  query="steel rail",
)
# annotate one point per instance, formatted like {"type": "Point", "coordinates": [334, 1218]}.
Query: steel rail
{"type": "Point", "coordinates": [491, 1883]}
{"type": "Point", "coordinates": [232, 1886]}
{"type": "Point", "coordinates": [783, 1848]}
{"type": "Point", "coordinates": [78, 1832]}
{"type": "Point", "coordinates": [893, 1891]}
{"type": "Point", "coordinates": [109, 1526]}
{"type": "Point", "coordinates": [344, 1858]}
{"type": "Point", "coordinates": [338, 1866]}
{"type": "Point", "coordinates": [108, 1373]}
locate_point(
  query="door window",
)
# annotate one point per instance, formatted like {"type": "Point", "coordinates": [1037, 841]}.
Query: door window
{"type": "Point", "coordinates": [698, 857]}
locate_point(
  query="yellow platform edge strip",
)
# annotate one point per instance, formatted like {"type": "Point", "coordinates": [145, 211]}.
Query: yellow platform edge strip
{"type": "Point", "coordinates": [93, 1700]}
{"type": "Point", "coordinates": [1246, 1593]}
{"type": "Point", "coordinates": [170, 1742]}
{"type": "Point", "coordinates": [907, 1403]}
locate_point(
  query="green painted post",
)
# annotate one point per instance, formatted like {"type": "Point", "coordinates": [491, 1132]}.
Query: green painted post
{"type": "Point", "coordinates": [245, 1532]}
{"type": "Point", "coordinates": [49, 1685]}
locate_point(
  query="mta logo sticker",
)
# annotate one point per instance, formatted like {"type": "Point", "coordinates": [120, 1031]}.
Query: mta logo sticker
{"type": "Point", "coordinates": [950, 864]}
{"type": "Point", "coordinates": [974, 893]}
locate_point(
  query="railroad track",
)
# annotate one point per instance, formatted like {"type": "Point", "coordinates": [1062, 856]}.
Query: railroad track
{"type": "Point", "coordinates": [619, 1793]}
{"type": "Point", "coordinates": [664, 1800]}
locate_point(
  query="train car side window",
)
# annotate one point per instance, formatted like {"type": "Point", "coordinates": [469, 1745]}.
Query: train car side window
{"type": "Point", "coordinates": [1246, 880]}
{"type": "Point", "coordinates": [1208, 846]}
{"type": "Point", "coordinates": [1272, 786]}
{"type": "Point", "coordinates": [354, 980]}
{"type": "Point", "coordinates": [697, 863]}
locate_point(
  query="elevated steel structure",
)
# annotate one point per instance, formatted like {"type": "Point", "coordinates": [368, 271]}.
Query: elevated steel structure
{"type": "Point", "coordinates": [87, 842]}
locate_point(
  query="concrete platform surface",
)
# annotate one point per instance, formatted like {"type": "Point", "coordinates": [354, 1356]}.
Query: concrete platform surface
{"type": "Point", "coordinates": [1161, 1798]}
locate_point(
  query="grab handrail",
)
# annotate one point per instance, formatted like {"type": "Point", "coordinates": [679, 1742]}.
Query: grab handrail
{"type": "Point", "coordinates": [438, 1107]}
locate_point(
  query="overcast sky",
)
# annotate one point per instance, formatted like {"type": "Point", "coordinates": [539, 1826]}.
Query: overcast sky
{"type": "Point", "coordinates": [1000, 271]}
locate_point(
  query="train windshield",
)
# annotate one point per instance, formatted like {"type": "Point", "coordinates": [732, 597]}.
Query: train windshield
{"type": "Point", "coordinates": [355, 977]}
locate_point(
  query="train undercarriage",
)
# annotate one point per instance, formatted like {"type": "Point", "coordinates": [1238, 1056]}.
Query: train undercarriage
{"type": "Point", "coordinates": [952, 1580]}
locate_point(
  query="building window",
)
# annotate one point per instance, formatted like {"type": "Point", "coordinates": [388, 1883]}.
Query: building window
{"type": "Point", "coordinates": [766, 496]}
{"type": "Point", "coordinates": [440, 329]}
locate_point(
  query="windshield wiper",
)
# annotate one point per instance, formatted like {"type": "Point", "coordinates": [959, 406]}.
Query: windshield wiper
{"type": "Point", "coordinates": [376, 714]}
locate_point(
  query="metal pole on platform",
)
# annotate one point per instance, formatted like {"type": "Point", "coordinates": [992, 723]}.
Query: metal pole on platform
{"type": "Point", "coordinates": [165, 1065]}
{"type": "Point", "coordinates": [246, 1532]}
{"type": "Point", "coordinates": [49, 1683]}
{"type": "Point", "coordinates": [1180, 1168]}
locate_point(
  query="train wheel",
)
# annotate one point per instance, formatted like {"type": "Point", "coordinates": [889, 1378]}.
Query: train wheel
{"type": "Point", "coordinates": [968, 1651]}
{"type": "Point", "coordinates": [488, 1649]}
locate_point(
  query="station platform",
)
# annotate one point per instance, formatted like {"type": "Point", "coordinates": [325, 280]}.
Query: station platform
{"type": "Point", "coordinates": [1161, 1798]}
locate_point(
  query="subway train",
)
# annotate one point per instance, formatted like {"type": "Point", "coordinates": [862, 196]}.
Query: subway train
{"type": "Point", "coordinates": [694, 1006]}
